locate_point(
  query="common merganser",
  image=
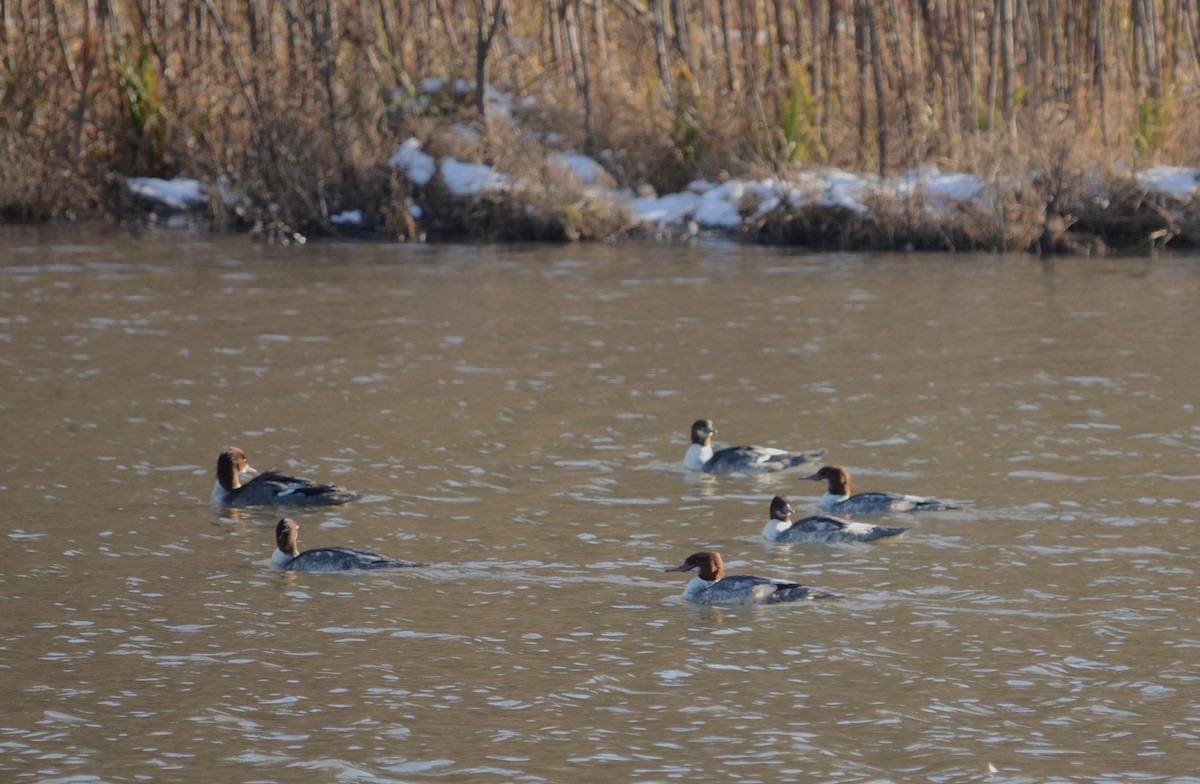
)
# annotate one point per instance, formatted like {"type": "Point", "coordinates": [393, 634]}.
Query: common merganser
{"type": "Point", "coordinates": [269, 488]}
{"type": "Point", "coordinates": [712, 586]}
{"type": "Point", "coordinates": [819, 528]}
{"type": "Point", "coordinates": [287, 554]}
{"type": "Point", "coordinates": [840, 500]}
{"type": "Point", "coordinates": [738, 459]}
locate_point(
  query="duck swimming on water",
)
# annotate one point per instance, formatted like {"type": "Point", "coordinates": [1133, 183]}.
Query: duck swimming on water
{"type": "Point", "coordinates": [288, 557]}
{"type": "Point", "coordinates": [841, 500]}
{"type": "Point", "coordinates": [270, 488]}
{"type": "Point", "coordinates": [738, 459]}
{"type": "Point", "coordinates": [712, 586]}
{"type": "Point", "coordinates": [819, 528]}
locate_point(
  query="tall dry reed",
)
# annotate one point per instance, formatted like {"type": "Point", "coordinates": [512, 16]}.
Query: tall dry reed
{"type": "Point", "coordinates": [291, 107]}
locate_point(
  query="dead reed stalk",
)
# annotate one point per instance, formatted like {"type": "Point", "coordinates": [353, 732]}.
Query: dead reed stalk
{"type": "Point", "coordinates": [291, 107]}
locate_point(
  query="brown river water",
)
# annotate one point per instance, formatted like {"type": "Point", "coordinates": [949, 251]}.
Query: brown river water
{"type": "Point", "coordinates": [516, 416]}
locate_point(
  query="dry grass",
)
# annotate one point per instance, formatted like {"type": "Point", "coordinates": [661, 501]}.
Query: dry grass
{"type": "Point", "coordinates": [909, 224]}
{"type": "Point", "coordinates": [538, 201]}
{"type": "Point", "coordinates": [290, 112]}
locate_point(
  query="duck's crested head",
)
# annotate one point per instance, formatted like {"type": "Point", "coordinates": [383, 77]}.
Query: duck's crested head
{"type": "Point", "coordinates": [287, 536]}
{"type": "Point", "coordinates": [231, 464]}
{"type": "Point", "coordinates": [838, 478]}
{"type": "Point", "coordinates": [781, 508]}
{"type": "Point", "coordinates": [707, 561]}
{"type": "Point", "coordinates": [702, 431]}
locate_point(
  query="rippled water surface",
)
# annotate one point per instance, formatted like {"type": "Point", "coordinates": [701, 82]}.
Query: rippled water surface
{"type": "Point", "coordinates": [515, 416]}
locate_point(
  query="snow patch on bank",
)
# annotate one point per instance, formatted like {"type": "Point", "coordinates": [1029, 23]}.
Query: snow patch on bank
{"type": "Point", "coordinates": [416, 165]}
{"type": "Point", "coordinates": [180, 193]}
{"type": "Point", "coordinates": [724, 206]}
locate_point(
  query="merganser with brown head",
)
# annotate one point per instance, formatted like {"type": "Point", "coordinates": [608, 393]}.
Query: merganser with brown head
{"type": "Point", "coordinates": [712, 586]}
{"type": "Point", "coordinates": [270, 488]}
{"type": "Point", "coordinates": [288, 557]}
{"type": "Point", "coordinates": [819, 528]}
{"type": "Point", "coordinates": [842, 500]}
{"type": "Point", "coordinates": [739, 459]}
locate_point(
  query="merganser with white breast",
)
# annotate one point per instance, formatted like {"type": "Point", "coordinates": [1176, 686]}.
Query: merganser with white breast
{"type": "Point", "coordinates": [819, 528]}
{"type": "Point", "coordinates": [287, 554]}
{"type": "Point", "coordinates": [712, 586]}
{"type": "Point", "coordinates": [841, 500]}
{"type": "Point", "coordinates": [270, 488]}
{"type": "Point", "coordinates": [739, 459]}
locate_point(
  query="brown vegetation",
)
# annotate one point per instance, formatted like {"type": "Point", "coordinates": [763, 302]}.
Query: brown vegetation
{"type": "Point", "coordinates": [290, 109]}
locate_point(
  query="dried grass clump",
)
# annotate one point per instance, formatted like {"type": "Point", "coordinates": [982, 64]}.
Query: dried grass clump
{"type": "Point", "coordinates": [1003, 219]}
{"type": "Point", "coordinates": [667, 145]}
{"type": "Point", "coordinates": [519, 214]}
{"type": "Point", "coordinates": [1114, 211]}
{"type": "Point", "coordinates": [1088, 207]}
{"type": "Point", "coordinates": [318, 155]}
{"type": "Point", "coordinates": [40, 172]}
{"type": "Point", "coordinates": [548, 211]}
{"type": "Point", "coordinates": [908, 224]}
{"type": "Point", "coordinates": [1188, 218]}
{"type": "Point", "coordinates": [534, 198]}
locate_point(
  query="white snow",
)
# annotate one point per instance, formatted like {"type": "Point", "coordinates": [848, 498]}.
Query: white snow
{"type": "Point", "coordinates": [709, 205]}
{"type": "Point", "coordinates": [178, 194]}
{"type": "Point", "coordinates": [347, 218]}
{"type": "Point", "coordinates": [722, 206]}
{"type": "Point", "coordinates": [582, 167]}
{"type": "Point", "coordinates": [718, 207]}
{"type": "Point", "coordinates": [465, 132]}
{"type": "Point", "coordinates": [468, 179]}
{"type": "Point", "coordinates": [933, 184]}
{"type": "Point", "coordinates": [431, 84]}
{"type": "Point", "coordinates": [669, 210]}
{"type": "Point", "coordinates": [842, 189]}
{"type": "Point", "coordinates": [1170, 181]}
{"type": "Point", "coordinates": [410, 159]}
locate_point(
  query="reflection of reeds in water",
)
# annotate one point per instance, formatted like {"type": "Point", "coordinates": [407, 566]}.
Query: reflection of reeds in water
{"type": "Point", "coordinates": [292, 108]}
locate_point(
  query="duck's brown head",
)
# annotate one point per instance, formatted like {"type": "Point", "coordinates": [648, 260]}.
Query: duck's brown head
{"type": "Point", "coordinates": [838, 478]}
{"type": "Point", "coordinates": [781, 508]}
{"type": "Point", "coordinates": [231, 464]}
{"type": "Point", "coordinates": [702, 432]}
{"type": "Point", "coordinates": [708, 562]}
{"type": "Point", "coordinates": [287, 536]}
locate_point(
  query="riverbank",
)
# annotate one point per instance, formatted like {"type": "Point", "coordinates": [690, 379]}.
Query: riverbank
{"type": "Point", "coordinates": [551, 193]}
{"type": "Point", "coordinates": [923, 209]}
{"type": "Point", "coordinates": [937, 125]}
